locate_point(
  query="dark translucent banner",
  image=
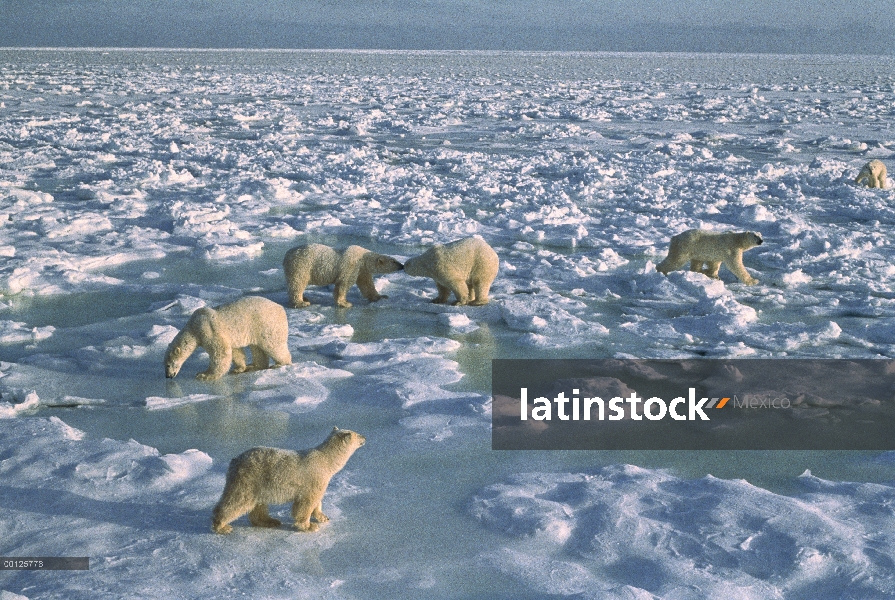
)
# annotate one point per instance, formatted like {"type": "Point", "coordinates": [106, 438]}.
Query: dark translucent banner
{"type": "Point", "coordinates": [705, 404]}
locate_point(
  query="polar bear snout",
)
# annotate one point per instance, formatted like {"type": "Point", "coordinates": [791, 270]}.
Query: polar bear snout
{"type": "Point", "coordinates": [171, 369]}
{"type": "Point", "coordinates": [387, 264]}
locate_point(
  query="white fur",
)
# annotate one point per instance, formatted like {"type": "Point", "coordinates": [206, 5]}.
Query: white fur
{"type": "Point", "coordinates": [465, 267]}
{"type": "Point", "coordinates": [699, 247]}
{"type": "Point", "coordinates": [874, 173]}
{"type": "Point", "coordinates": [317, 264]}
{"type": "Point", "coordinates": [263, 476]}
{"type": "Point", "coordinates": [225, 330]}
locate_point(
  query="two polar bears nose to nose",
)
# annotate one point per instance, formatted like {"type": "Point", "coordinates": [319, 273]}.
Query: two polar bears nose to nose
{"type": "Point", "coordinates": [465, 267]}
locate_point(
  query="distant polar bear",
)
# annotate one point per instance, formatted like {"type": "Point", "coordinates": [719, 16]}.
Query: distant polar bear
{"type": "Point", "coordinates": [263, 476]}
{"type": "Point", "coordinates": [699, 247]}
{"type": "Point", "coordinates": [225, 330]}
{"type": "Point", "coordinates": [874, 173]}
{"type": "Point", "coordinates": [317, 264]}
{"type": "Point", "coordinates": [466, 267]}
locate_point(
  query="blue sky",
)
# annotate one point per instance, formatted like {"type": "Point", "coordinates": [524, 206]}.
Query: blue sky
{"type": "Point", "coordinates": [812, 26]}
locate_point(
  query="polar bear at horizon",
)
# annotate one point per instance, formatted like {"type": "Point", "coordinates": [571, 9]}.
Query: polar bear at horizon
{"type": "Point", "coordinates": [466, 267]}
{"type": "Point", "coordinates": [254, 322]}
{"type": "Point", "coordinates": [263, 476]}
{"type": "Point", "coordinates": [874, 172]}
{"type": "Point", "coordinates": [316, 264]}
{"type": "Point", "coordinates": [702, 247]}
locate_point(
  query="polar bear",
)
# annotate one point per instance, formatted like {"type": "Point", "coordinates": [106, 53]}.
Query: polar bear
{"type": "Point", "coordinates": [263, 476]}
{"type": "Point", "coordinates": [699, 246]}
{"type": "Point", "coordinates": [466, 267]}
{"type": "Point", "coordinates": [225, 330]}
{"type": "Point", "coordinates": [874, 173]}
{"type": "Point", "coordinates": [317, 264]}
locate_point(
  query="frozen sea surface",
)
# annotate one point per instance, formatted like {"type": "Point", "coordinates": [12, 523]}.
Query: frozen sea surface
{"type": "Point", "coordinates": [137, 186]}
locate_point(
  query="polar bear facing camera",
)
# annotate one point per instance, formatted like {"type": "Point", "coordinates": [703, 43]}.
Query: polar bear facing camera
{"type": "Point", "coordinates": [263, 476]}
{"type": "Point", "coordinates": [254, 322]}
{"type": "Point", "coordinates": [701, 247]}
{"type": "Point", "coordinates": [465, 267]}
{"type": "Point", "coordinates": [317, 264]}
{"type": "Point", "coordinates": [874, 173]}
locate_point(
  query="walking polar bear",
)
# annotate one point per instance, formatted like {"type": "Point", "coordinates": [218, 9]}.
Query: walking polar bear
{"type": "Point", "coordinates": [711, 248]}
{"type": "Point", "coordinates": [225, 330]}
{"type": "Point", "coordinates": [874, 173]}
{"type": "Point", "coordinates": [317, 264]}
{"type": "Point", "coordinates": [465, 267]}
{"type": "Point", "coordinates": [263, 476]}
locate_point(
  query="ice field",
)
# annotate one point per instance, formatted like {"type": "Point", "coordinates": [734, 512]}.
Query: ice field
{"type": "Point", "coordinates": [137, 186]}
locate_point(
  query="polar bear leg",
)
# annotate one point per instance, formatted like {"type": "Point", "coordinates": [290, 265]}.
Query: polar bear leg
{"type": "Point", "coordinates": [461, 292]}
{"type": "Point", "coordinates": [259, 517]}
{"type": "Point", "coordinates": [280, 355]}
{"type": "Point", "coordinates": [221, 359]}
{"type": "Point", "coordinates": [231, 506]}
{"type": "Point", "coordinates": [367, 287]}
{"type": "Point", "coordinates": [239, 360]}
{"type": "Point", "coordinates": [672, 262]}
{"type": "Point", "coordinates": [297, 292]}
{"type": "Point", "coordinates": [260, 359]}
{"type": "Point", "coordinates": [301, 513]}
{"type": "Point", "coordinates": [478, 292]}
{"type": "Point", "coordinates": [340, 291]}
{"type": "Point", "coordinates": [712, 268]}
{"type": "Point", "coordinates": [317, 514]}
{"type": "Point", "coordinates": [735, 264]}
{"type": "Point", "coordinates": [443, 293]}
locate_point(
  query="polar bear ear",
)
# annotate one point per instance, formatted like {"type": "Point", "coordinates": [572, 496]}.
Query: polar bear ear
{"type": "Point", "coordinates": [335, 429]}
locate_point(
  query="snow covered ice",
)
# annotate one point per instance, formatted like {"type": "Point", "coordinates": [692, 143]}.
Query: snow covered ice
{"type": "Point", "coordinates": [137, 186]}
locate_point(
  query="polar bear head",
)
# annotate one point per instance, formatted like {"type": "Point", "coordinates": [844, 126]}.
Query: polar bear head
{"type": "Point", "coordinates": [749, 239]}
{"type": "Point", "coordinates": [383, 264]}
{"type": "Point", "coordinates": [346, 438]}
{"type": "Point", "coordinates": [174, 359]}
{"type": "Point", "coordinates": [180, 349]}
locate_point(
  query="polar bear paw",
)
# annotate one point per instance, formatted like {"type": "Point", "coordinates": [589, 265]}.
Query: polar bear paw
{"type": "Point", "coordinates": [223, 528]}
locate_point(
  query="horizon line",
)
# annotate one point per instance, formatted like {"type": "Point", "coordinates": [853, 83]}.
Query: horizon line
{"type": "Point", "coordinates": [424, 51]}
